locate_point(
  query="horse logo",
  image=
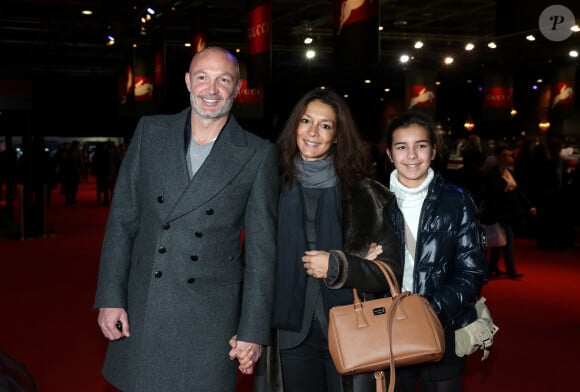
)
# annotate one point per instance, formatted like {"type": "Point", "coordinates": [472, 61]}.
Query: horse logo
{"type": "Point", "coordinates": [423, 96]}
{"type": "Point", "coordinates": [566, 92]}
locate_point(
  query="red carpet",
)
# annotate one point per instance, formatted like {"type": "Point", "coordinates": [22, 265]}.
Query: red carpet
{"type": "Point", "coordinates": [47, 323]}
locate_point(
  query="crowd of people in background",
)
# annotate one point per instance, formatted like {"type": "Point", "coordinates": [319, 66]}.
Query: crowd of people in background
{"type": "Point", "coordinates": [62, 169]}
{"type": "Point", "coordinates": [546, 173]}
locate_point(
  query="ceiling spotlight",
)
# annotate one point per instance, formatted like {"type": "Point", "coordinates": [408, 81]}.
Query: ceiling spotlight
{"type": "Point", "coordinates": [110, 40]}
{"type": "Point", "coordinates": [448, 60]}
{"type": "Point", "coordinates": [308, 40]}
{"type": "Point", "coordinates": [492, 45]}
{"type": "Point", "coordinates": [381, 28]}
{"type": "Point", "coordinates": [418, 45]}
{"type": "Point", "coordinates": [367, 81]}
{"type": "Point", "coordinates": [404, 58]}
{"type": "Point", "coordinates": [575, 28]}
{"type": "Point", "coordinates": [531, 38]}
{"type": "Point", "coordinates": [310, 54]}
{"type": "Point", "coordinates": [469, 46]}
{"type": "Point", "coordinates": [150, 11]}
{"type": "Point", "coordinates": [86, 12]}
{"type": "Point", "coordinates": [573, 53]}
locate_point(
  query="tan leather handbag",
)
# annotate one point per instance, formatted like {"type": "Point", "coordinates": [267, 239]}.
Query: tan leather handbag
{"type": "Point", "coordinates": [370, 336]}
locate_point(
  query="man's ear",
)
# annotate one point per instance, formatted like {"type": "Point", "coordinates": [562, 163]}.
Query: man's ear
{"type": "Point", "coordinates": [187, 81]}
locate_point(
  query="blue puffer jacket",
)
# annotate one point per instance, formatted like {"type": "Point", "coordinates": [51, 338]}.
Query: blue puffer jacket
{"type": "Point", "coordinates": [450, 255]}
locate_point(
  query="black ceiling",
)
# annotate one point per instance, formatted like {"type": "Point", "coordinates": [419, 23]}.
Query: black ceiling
{"type": "Point", "coordinates": [50, 39]}
{"type": "Point", "coordinates": [53, 36]}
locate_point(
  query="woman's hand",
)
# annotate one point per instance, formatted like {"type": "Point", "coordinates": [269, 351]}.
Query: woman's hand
{"type": "Point", "coordinates": [374, 250]}
{"type": "Point", "coordinates": [316, 263]}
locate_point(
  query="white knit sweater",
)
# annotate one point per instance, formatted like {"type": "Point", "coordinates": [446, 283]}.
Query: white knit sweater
{"type": "Point", "coordinates": [410, 201]}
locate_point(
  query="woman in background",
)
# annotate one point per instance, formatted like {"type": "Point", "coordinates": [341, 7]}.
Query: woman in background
{"type": "Point", "coordinates": [442, 244]}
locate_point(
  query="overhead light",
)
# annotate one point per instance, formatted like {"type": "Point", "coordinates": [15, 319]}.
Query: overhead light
{"type": "Point", "coordinates": [544, 125]}
{"type": "Point", "coordinates": [469, 46]}
{"type": "Point", "coordinates": [310, 54]}
{"type": "Point", "coordinates": [308, 40]}
{"type": "Point", "coordinates": [381, 28]}
{"type": "Point", "coordinates": [86, 12]}
{"type": "Point", "coordinates": [492, 45]}
{"type": "Point", "coordinates": [573, 53]}
{"type": "Point", "coordinates": [150, 11]}
{"type": "Point", "coordinates": [404, 58]}
{"type": "Point", "coordinates": [575, 28]}
{"type": "Point", "coordinates": [531, 38]}
{"type": "Point", "coordinates": [448, 60]}
{"type": "Point", "coordinates": [469, 125]}
{"type": "Point", "coordinates": [110, 40]}
{"type": "Point", "coordinates": [367, 81]}
{"type": "Point", "coordinates": [418, 45]}
{"type": "Point", "coordinates": [187, 45]}
{"type": "Point", "coordinates": [387, 90]}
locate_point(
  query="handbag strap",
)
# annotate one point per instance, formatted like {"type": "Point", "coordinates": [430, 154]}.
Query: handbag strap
{"type": "Point", "coordinates": [397, 297]}
{"type": "Point", "coordinates": [410, 241]}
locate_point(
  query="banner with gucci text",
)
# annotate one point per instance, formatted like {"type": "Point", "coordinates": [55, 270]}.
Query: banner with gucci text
{"type": "Point", "coordinates": [259, 41]}
{"type": "Point", "coordinates": [497, 96]}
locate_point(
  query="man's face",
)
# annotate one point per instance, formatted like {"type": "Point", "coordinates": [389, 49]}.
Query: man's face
{"type": "Point", "coordinates": [213, 82]}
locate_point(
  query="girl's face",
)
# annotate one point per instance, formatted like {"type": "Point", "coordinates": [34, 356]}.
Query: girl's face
{"type": "Point", "coordinates": [411, 153]}
{"type": "Point", "coordinates": [316, 132]}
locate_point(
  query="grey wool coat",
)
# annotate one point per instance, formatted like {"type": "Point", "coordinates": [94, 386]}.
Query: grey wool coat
{"type": "Point", "coordinates": [172, 257]}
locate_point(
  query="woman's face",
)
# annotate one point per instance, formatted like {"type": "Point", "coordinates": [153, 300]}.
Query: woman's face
{"type": "Point", "coordinates": [411, 153]}
{"type": "Point", "coordinates": [316, 132]}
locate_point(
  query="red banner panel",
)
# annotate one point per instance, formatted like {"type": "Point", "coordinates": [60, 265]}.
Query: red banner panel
{"type": "Point", "coordinates": [562, 94]}
{"type": "Point", "coordinates": [356, 34]}
{"type": "Point", "coordinates": [497, 97]}
{"type": "Point", "coordinates": [259, 25]}
{"type": "Point", "coordinates": [421, 96]}
{"type": "Point", "coordinates": [250, 95]}
{"type": "Point", "coordinates": [347, 12]}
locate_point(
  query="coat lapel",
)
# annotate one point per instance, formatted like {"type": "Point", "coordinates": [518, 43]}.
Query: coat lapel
{"type": "Point", "coordinates": [227, 158]}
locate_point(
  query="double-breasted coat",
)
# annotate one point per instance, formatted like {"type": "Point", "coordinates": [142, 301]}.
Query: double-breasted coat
{"type": "Point", "coordinates": [172, 256]}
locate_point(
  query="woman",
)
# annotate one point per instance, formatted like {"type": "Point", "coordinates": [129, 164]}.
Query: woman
{"type": "Point", "coordinates": [330, 213]}
{"type": "Point", "coordinates": [442, 243]}
{"type": "Point", "coordinates": [506, 204]}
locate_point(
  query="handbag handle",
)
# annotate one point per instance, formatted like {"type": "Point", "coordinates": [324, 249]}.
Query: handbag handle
{"type": "Point", "coordinates": [397, 296]}
{"type": "Point", "coordinates": [389, 276]}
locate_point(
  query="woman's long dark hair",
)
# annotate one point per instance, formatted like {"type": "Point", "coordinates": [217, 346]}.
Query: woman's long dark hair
{"type": "Point", "coordinates": [351, 156]}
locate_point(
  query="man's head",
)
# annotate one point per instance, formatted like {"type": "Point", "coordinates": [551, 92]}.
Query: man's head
{"type": "Point", "coordinates": [213, 81]}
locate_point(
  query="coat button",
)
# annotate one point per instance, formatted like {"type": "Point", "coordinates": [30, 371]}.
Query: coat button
{"type": "Point", "coordinates": [190, 280]}
{"type": "Point", "coordinates": [198, 234]}
{"type": "Point", "coordinates": [166, 226]}
{"type": "Point", "coordinates": [160, 199]}
{"type": "Point", "coordinates": [194, 258]}
{"type": "Point", "coordinates": [162, 249]}
{"type": "Point", "coordinates": [209, 211]}
{"type": "Point", "coordinates": [158, 274]}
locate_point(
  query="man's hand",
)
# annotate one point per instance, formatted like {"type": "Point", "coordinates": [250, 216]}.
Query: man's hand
{"type": "Point", "coordinates": [246, 353]}
{"type": "Point", "coordinates": [114, 323]}
{"type": "Point", "coordinates": [316, 263]}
